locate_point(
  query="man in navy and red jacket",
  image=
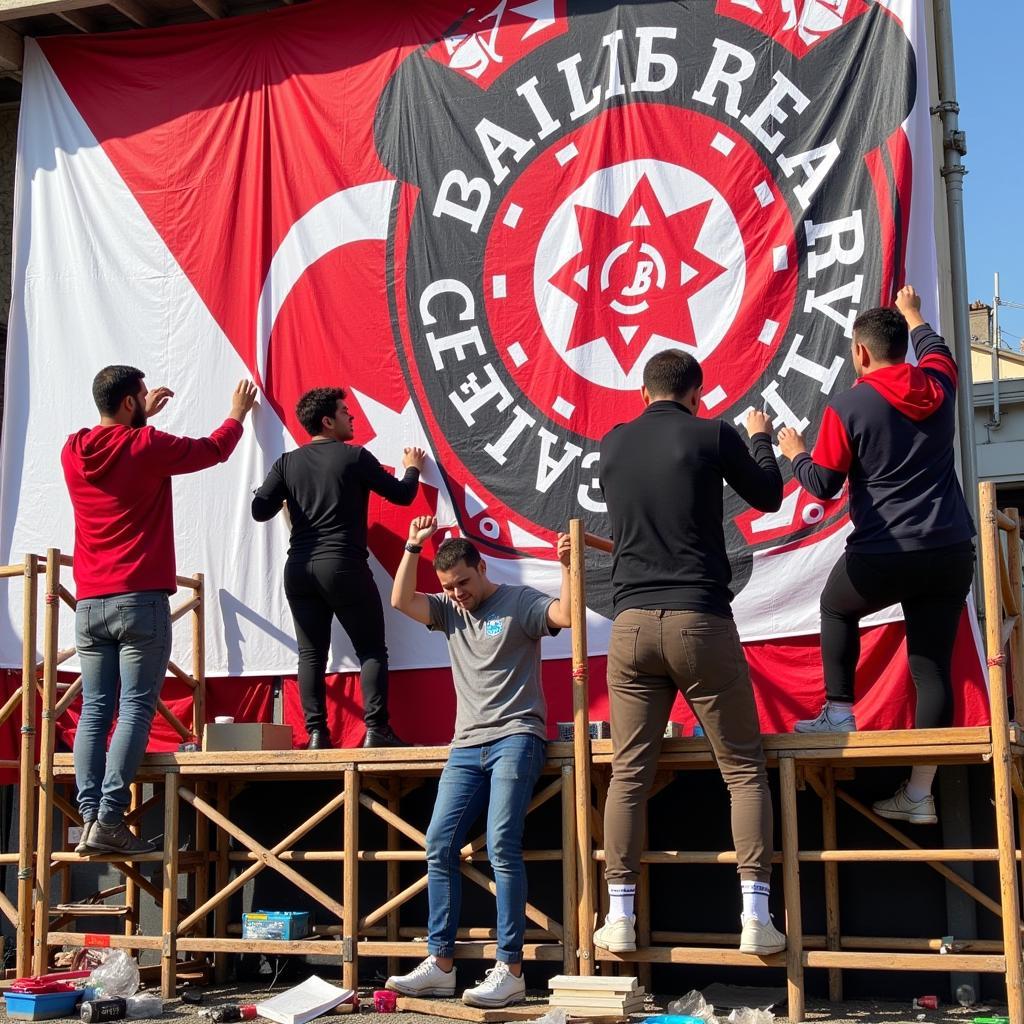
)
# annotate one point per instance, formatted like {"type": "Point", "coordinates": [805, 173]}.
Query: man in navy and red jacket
{"type": "Point", "coordinates": [119, 477]}
{"type": "Point", "coordinates": [891, 435]}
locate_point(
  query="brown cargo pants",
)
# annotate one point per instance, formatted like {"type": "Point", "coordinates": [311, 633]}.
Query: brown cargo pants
{"type": "Point", "coordinates": [653, 655]}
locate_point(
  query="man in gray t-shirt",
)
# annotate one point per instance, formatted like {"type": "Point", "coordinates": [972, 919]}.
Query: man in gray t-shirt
{"type": "Point", "coordinates": [494, 632]}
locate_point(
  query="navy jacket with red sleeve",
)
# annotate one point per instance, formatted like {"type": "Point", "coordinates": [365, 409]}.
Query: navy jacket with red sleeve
{"type": "Point", "coordinates": [892, 435]}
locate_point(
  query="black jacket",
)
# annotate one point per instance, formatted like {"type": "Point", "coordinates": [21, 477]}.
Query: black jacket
{"type": "Point", "coordinates": [662, 475]}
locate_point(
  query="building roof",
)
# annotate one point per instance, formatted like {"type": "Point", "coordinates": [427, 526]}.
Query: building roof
{"type": "Point", "coordinates": [20, 18]}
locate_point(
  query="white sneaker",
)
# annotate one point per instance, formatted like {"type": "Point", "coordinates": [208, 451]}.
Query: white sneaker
{"type": "Point", "coordinates": [618, 936]}
{"type": "Point", "coordinates": [425, 980]}
{"type": "Point", "coordinates": [828, 721]}
{"type": "Point", "coordinates": [500, 987]}
{"type": "Point", "coordinates": [901, 808]}
{"type": "Point", "coordinates": [761, 939]}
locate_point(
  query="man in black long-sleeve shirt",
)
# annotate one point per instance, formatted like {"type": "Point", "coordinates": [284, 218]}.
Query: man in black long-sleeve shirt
{"type": "Point", "coordinates": [892, 436]}
{"type": "Point", "coordinates": [662, 477]}
{"type": "Point", "coordinates": [326, 486]}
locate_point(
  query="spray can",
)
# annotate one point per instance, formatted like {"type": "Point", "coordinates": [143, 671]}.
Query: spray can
{"type": "Point", "coordinates": [95, 1010]}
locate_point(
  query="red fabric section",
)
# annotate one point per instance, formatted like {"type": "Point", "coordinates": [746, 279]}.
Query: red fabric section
{"type": "Point", "coordinates": [907, 389]}
{"type": "Point", "coordinates": [941, 364]}
{"type": "Point", "coordinates": [119, 479]}
{"type": "Point", "coordinates": [787, 679]}
{"type": "Point", "coordinates": [832, 449]}
{"type": "Point", "coordinates": [886, 222]}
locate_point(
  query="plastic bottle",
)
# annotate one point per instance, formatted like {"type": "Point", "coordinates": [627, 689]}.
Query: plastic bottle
{"type": "Point", "coordinates": [231, 1013]}
{"type": "Point", "coordinates": [136, 1007]}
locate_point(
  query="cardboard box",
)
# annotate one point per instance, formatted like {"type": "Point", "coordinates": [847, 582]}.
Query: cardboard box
{"type": "Point", "coordinates": [276, 925]}
{"type": "Point", "coordinates": [247, 736]}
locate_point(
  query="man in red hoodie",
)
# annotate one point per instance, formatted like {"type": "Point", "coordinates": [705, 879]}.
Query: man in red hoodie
{"type": "Point", "coordinates": [119, 477]}
{"type": "Point", "coordinates": [912, 543]}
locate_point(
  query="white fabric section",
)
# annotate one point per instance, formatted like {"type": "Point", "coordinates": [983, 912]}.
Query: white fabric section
{"type": "Point", "coordinates": [94, 284]}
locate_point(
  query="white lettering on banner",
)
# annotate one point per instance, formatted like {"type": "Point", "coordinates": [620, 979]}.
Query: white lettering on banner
{"type": "Point", "coordinates": [570, 67]}
{"type": "Point", "coordinates": [446, 286]}
{"type": "Point", "coordinates": [732, 79]}
{"type": "Point", "coordinates": [781, 411]}
{"type": "Point", "coordinates": [498, 450]}
{"type": "Point", "coordinates": [826, 377]}
{"type": "Point", "coordinates": [815, 163]}
{"type": "Point", "coordinates": [457, 343]}
{"type": "Point", "coordinates": [615, 86]}
{"type": "Point", "coordinates": [496, 142]}
{"type": "Point", "coordinates": [585, 490]}
{"type": "Point", "coordinates": [548, 469]}
{"type": "Point", "coordinates": [771, 109]}
{"type": "Point", "coordinates": [545, 122]}
{"type": "Point", "coordinates": [826, 303]}
{"type": "Point", "coordinates": [833, 231]}
{"type": "Point", "coordinates": [446, 206]}
{"type": "Point", "coordinates": [480, 395]}
{"type": "Point", "coordinates": [647, 59]}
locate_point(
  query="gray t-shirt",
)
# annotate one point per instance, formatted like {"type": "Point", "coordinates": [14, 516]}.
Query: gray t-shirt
{"type": "Point", "coordinates": [495, 652]}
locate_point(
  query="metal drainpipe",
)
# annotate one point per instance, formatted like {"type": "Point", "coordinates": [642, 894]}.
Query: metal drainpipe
{"type": "Point", "coordinates": [997, 413]}
{"type": "Point", "coordinates": [954, 144]}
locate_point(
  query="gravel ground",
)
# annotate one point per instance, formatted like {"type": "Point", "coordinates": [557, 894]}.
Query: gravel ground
{"type": "Point", "coordinates": [858, 1012]}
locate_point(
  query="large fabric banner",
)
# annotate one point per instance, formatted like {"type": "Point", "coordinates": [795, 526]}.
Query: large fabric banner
{"type": "Point", "coordinates": [482, 221]}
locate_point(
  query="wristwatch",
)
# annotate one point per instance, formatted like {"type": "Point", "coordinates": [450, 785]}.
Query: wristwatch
{"type": "Point", "coordinates": [413, 549]}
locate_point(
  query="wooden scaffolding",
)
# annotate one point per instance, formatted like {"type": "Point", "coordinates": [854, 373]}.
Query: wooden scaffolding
{"type": "Point", "coordinates": [367, 785]}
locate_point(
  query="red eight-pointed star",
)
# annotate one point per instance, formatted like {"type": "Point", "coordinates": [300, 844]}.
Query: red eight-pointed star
{"type": "Point", "coordinates": [635, 274]}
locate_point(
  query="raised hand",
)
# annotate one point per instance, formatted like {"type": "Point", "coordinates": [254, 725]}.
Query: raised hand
{"type": "Point", "coordinates": [564, 548]}
{"type": "Point", "coordinates": [791, 443]}
{"type": "Point", "coordinates": [242, 400]}
{"type": "Point", "coordinates": [758, 423]}
{"type": "Point", "coordinates": [157, 399]}
{"type": "Point", "coordinates": [908, 302]}
{"type": "Point", "coordinates": [414, 458]}
{"type": "Point", "coordinates": [421, 529]}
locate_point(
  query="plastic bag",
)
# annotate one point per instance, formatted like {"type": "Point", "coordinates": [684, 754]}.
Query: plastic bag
{"type": "Point", "coordinates": [556, 1015]}
{"type": "Point", "coordinates": [693, 1004]}
{"type": "Point", "coordinates": [117, 976]}
{"type": "Point", "coordinates": [749, 1016]}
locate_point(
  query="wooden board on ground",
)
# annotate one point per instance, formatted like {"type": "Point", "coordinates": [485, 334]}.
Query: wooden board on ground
{"type": "Point", "coordinates": [596, 985]}
{"type": "Point", "coordinates": [459, 1011]}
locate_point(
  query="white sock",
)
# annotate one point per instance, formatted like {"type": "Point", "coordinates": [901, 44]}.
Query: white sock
{"type": "Point", "coordinates": [919, 785]}
{"type": "Point", "coordinates": [620, 901]}
{"type": "Point", "coordinates": [839, 708]}
{"type": "Point", "coordinates": [755, 900]}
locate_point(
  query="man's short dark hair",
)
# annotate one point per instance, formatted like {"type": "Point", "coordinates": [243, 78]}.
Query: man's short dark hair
{"type": "Point", "coordinates": [112, 385]}
{"type": "Point", "coordinates": [672, 374]}
{"type": "Point", "coordinates": [314, 405]}
{"type": "Point", "coordinates": [883, 332]}
{"type": "Point", "coordinates": [455, 550]}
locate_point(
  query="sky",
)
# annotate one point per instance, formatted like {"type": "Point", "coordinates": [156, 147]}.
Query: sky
{"type": "Point", "coordinates": [988, 40]}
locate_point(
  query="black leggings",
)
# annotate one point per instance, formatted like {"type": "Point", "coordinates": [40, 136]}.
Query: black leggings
{"type": "Point", "coordinates": [931, 586]}
{"type": "Point", "coordinates": [317, 592]}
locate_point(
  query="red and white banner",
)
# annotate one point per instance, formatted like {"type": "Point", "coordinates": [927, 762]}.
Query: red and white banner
{"type": "Point", "coordinates": [482, 221]}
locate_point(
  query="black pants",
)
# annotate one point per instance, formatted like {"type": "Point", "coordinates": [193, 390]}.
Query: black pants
{"type": "Point", "coordinates": [931, 586]}
{"type": "Point", "coordinates": [317, 592]}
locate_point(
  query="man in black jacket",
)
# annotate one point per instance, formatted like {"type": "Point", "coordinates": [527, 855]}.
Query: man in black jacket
{"type": "Point", "coordinates": [662, 477]}
{"type": "Point", "coordinates": [912, 543]}
{"type": "Point", "coordinates": [326, 486]}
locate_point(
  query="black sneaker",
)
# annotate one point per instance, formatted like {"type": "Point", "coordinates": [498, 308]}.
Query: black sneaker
{"type": "Point", "coordinates": [383, 738]}
{"type": "Point", "coordinates": [117, 838]}
{"type": "Point", "coordinates": [83, 843]}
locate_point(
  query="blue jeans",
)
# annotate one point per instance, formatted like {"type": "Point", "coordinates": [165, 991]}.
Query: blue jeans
{"type": "Point", "coordinates": [499, 776]}
{"type": "Point", "coordinates": [124, 638]}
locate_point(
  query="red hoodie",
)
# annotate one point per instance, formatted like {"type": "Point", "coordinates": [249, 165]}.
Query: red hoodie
{"type": "Point", "coordinates": [119, 479]}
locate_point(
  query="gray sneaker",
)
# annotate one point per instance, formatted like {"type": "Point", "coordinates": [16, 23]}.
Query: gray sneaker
{"type": "Point", "coordinates": [103, 838]}
{"type": "Point", "coordinates": [901, 808]}
{"type": "Point", "coordinates": [828, 721]}
{"type": "Point", "coordinates": [86, 829]}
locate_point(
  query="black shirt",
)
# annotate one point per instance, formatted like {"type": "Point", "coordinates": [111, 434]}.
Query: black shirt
{"type": "Point", "coordinates": [327, 485]}
{"type": "Point", "coordinates": [662, 475]}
